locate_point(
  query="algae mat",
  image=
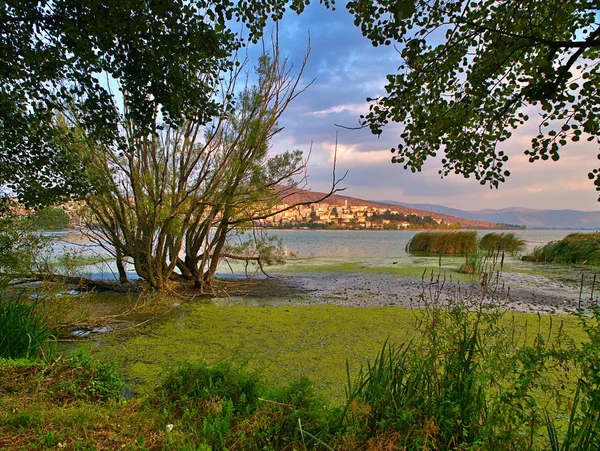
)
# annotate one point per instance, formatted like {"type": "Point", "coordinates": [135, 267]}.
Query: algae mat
{"type": "Point", "coordinates": [281, 343]}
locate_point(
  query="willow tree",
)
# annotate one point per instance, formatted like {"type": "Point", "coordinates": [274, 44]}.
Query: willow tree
{"type": "Point", "coordinates": [170, 198]}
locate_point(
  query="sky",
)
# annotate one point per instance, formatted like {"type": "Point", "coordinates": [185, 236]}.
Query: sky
{"type": "Point", "coordinates": [346, 70]}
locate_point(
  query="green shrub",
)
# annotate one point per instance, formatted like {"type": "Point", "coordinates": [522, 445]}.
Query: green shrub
{"type": "Point", "coordinates": [195, 386]}
{"type": "Point", "coordinates": [576, 248]}
{"type": "Point", "coordinates": [466, 383]}
{"type": "Point", "coordinates": [92, 380]}
{"type": "Point", "coordinates": [23, 332]}
{"type": "Point", "coordinates": [21, 248]}
{"type": "Point", "coordinates": [447, 243]}
{"type": "Point", "coordinates": [283, 410]}
{"type": "Point", "coordinates": [504, 242]}
{"type": "Point", "coordinates": [84, 378]}
{"type": "Point", "coordinates": [583, 429]}
{"type": "Point", "coordinates": [226, 408]}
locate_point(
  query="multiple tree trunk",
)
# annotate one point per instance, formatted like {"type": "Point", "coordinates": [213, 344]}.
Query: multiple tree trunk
{"type": "Point", "coordinates": [170, 201]}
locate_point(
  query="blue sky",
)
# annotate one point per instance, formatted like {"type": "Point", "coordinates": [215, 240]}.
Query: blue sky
{"type": "Point", "coordinates": [347, 69]}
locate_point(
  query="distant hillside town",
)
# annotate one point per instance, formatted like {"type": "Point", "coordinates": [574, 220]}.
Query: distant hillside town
{"type": "Point", "coordinates": [331, 216]}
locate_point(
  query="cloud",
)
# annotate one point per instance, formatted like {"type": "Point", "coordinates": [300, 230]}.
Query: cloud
{"type": "Point", "coordinates": [346, 70]}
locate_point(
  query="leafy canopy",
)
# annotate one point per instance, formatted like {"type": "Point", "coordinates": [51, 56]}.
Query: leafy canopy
{"type": "Point", "coordinates": [473, 71]}
{"type": "Point", "coordinates": [166, 57]}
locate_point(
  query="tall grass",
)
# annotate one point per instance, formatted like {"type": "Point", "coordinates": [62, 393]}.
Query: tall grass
{"type": "Point", "coordinates": [576, 248]}
{"type": "Point", "coordinates": [447, 243]}
{"type": "Point", "coordinates": [506, 242]}
{"type": "Point", "coordinates": [434, 393]}
{"type": "Point", "coordinates": [23, 332]}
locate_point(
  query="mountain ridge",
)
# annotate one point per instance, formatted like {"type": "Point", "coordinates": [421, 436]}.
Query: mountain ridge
{"type": "Point", "coordinates": [530, 217]}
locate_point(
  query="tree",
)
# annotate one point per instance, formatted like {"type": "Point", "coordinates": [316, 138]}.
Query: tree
{"type": "Point", "coordinates": [56, 55]}
{"type": "Point", "coordinates": [172, 198]}
{"type": "Point", "coordinates": [474, 71]}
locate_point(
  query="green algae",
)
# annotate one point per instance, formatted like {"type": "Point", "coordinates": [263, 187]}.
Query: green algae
{"type": "Point", "coordinates": [395, 267]}
{"type": "Point", "coordinates": [281, 343]}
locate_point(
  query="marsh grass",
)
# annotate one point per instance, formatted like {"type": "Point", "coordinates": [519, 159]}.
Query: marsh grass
{"type": "Point", "coordinates": [444, 243]}
{"type": "Point", "coordinates": [506, 242]}
{"type": "Point", "coordinates": [575, 248]}
{"type": "Point", "coordinates": [475, 379]}
{"type": "Point", "coordinates": [24, 333]}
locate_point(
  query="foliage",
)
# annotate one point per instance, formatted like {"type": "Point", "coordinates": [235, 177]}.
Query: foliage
{"type": "Point", "coordinates": [447, 243]}
{"type": "Point", "coordinates": [583, 431]}
{"type": "Point", "coordinates": [89, 380]}
{"type": "Point", "coordinates": [506, 242]}
{"type": "Point", "coordinates": [192, 388]}
{"type": "Point", "coordinates": [50, 218]}
{"type": "Point", "coordinates": [472, 379]}
{"type": "Point", "coordinates": [465, 383]}
{"type": "Point", "coordinates": [172, 199]}
{"type": "Point", "coordinates": [223, 405]}
{"type": "Point", "coordinates": [578, 248]}
{"type": "Point", "coordinates": [473, 264]}
{"type": "Point", "coordinates": [23, 332]}
{"type": "Point", "coordinates": [21, 247]}
{"type": "Point", "coordinates": [472, 72]}
{"type": "Point", "coordinates": [166, 56]}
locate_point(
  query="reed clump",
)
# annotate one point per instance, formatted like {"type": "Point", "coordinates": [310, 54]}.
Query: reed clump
{"type": "Point", "coordinates": [575, 248]}
{"type": "Point", "coordinates": [24, 333]}
{"type": "Point", "coordinates": [505, 242]}
{"type": "Point", "coordinates": [445, 243]}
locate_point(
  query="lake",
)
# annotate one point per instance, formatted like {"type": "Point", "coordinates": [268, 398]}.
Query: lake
{"type": "Point", "coordinates": [381, 243]}
{"type": "Point", "coordinates": [317, 246]}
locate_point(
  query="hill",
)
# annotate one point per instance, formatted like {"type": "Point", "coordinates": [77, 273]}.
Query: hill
{"type": "Point", "coordinates": [294, 196]}
{"type": "Point", "coordinates": [532, 218]}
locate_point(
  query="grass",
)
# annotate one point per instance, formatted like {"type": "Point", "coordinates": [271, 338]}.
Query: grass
{"type": "Point", "coordinates": [457, 378]}
{"type": "Point", "coordinates": [575, 248]}
{"type": "Point", "coordinates": [23, 331]}
{"type": "Point", "coordinates": [445, 243]}
{"type": "Point", "coordinates": [504, 242]}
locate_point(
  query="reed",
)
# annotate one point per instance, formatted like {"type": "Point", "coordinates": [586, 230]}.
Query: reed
{"type": "Point", "coordinates": [446, 243]}
{"type": "Point", "coordinates": [506, 242]}
{"type": "Point", "coordinates": [576, 248]}
{"type": "Point", "coordinates": [23, 332]}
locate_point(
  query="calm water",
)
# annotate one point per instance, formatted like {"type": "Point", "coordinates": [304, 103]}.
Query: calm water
{"type": "Point", "coordinates": [314, 244]}
{"type": "Point", "coordinates": [378, 243]}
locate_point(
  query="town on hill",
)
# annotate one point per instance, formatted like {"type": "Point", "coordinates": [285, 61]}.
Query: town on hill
{"type": "Point", "coordinates": [314, 210]}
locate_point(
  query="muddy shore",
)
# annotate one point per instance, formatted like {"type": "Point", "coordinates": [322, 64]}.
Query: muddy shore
{"type": "Point", "coordinates": [514, 291]}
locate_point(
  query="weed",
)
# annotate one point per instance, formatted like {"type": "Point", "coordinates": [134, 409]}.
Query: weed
{"type": "Point", "coordinates": [23, 332]}
{"type": "Point", "coordinates": [88, 380]}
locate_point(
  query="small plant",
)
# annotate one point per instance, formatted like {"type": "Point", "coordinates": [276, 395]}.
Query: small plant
{"type": "Point", "coordinates": [86, 379]}
{"type": "Point", "coordinates": [473, 263]}
{"type": "Point", "coordinates": [22, 249]}
{"type": "Point", "coordinates": [23, 332]}
{"type": "Point", "coordinates": [583, 428]}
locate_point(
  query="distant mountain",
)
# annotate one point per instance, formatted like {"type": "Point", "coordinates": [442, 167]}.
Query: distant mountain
{"type": "Point", "coordinates": [296, 196]}
{"type": "Point", "coordinates": [532, 218]}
